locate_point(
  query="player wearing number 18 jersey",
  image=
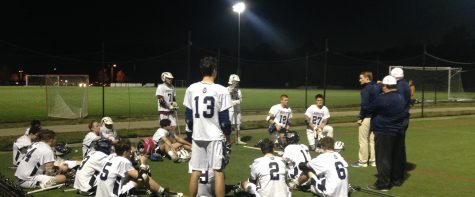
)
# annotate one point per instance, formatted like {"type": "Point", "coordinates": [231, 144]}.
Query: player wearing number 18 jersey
{"type": "Point", "coordinates": [207, 116]}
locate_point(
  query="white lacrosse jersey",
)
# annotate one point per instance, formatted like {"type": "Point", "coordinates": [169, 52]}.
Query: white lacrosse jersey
{"type": "Point", "coordinates": [161, 132]}
{"type": "Point", "coordinates": [206, 101]}
{"type": "Point", "coordinates": [87, 143]}
{"type": "Point", "coordinates": [168, 94]}
{"type": "Point", "coordinates": [236, 97]}
{"type": "Point", "coordinates": [33, 162]}
{"type": "Point", "coordinates": [27, 131]}
{"type": "Point", "coordinates": [113, 176]}
{"type": "Point", "coordinates": [296, 153]}
{"type": "Point", "coordinates": [316, 114]}
{"type": "Point", "coordinates": [270, 174]}
{"type": "Point", "coordinates": [86, 175]}
{"type": "Point", "coordinates": [281, 114]}
{"type": "Point", "coordinates": [331, 170]}
{"type": "Point", "coordinates": [22, 142]}
{"type": "Point", "coordinates": [108, 133]}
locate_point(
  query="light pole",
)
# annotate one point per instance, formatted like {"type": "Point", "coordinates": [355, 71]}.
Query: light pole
{"type": "Point", "coordinates": [21, 76]}
{"type": "Point", "coordinates": [239, 7]}
{"type": "Point", "coordinates": [112, 73]}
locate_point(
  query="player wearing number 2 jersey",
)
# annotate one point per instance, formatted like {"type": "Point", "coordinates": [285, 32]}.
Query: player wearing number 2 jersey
{"type": "Point", "coordinates": [207, 116]}
{"type": "Point", "coordinates": [317, 116]}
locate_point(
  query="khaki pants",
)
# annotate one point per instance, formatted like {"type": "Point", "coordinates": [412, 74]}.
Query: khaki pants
{"type": "Point", "coordinates": [366, 141]}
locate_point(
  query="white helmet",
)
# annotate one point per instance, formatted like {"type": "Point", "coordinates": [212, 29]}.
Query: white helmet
{"type": "Point", "coordinates": [106, 120]}
{"type": "Point", "coordinates": [166, 75]}
{"type": "Point", "coordinates": [232, 78]}
{"type": "Point", "coordinates": [339, 145]}
{"type": "Point", "coordinates": [397, 72]}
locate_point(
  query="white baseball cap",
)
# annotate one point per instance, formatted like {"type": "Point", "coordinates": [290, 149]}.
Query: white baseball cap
{"type": "Point", "coordinates": [397, 72]}
{"type": "Point", "coordinates": [107, 120]}
{"type": "Point", "coordinates": [389, 80]}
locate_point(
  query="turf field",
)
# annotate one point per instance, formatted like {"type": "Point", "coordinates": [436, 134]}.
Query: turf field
{"type": "Point", "coordinates": [438, 151]}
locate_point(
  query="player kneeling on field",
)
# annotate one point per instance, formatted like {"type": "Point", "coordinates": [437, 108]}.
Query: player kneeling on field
{"type": "Point", "coordinates": [327, 172]}
{"type": "Point", "coordinates": [317, 116]}
{"type": "Point", "coordinates": [37, 166]}
{"type": "Point", "coordinates": [168, 143]}
{"type": "Point", "coordinates": [119, 178]}
{"type": "Point", "coordinates": [269, 173]}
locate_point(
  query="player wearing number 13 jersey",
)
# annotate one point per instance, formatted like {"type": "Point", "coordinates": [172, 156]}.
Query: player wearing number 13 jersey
{"type": "Point", "coordinates": [207, 116]}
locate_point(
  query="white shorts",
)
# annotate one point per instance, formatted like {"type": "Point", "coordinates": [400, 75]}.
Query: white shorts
{"type": "Point", "coordinates": [327, 131]}
{"type": "Point", "coordinates": [235, 117]}
{"type": "Point", "coordinates": [171, 117]}
{"type": "Point", "coordinates": [207, 155]}
{"type": "Point", "coordinates": [34, 181]}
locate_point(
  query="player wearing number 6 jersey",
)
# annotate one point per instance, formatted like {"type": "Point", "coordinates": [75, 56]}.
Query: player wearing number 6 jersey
{"type": "Point", "coordinates": [207, 116]}
{"type": "Point", "coordinates": [317, 116]}
{"type": "Point", "coordinates": [330, 174]}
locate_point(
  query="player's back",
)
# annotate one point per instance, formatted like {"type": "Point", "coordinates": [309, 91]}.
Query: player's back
{"type": "Point", "coordinates": [90, 167]}
{"type": "Point", "coordinates": [206, 100]}
{"type": "Point", "coordinates": [21, 142]}
{"type": "Point", "coordinates": [296, 153]}
{"type": "Point", "coordinates": [270, 173]}
{"type": "Point", "coordinates": [113, 175]}
{"type": "Point", "coordinates": [33, 162]}
{"type": "Point", "coordinates": [334, 168]}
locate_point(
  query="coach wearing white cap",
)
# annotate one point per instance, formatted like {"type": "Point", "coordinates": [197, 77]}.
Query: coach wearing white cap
{"type": "Point", "coordinates": [387, 124]}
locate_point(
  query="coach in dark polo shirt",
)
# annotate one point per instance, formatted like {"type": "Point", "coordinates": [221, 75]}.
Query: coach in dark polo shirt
{"type": "Point", "coordinates": [388, 111]}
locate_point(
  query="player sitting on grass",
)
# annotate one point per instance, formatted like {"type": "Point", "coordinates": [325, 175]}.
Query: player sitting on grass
{"type": "Point", "coordinates": [279, 118]}
{"type": "Point", "coordinates": [119, 178]}
{"type": "Point", "coordinates": [108, 131]}
{"type": "Point", "coordinates": [328, 172]}
{"type": "Point", "coordinates": [93, 136]}
{"type": "Point", "coordinates": [37, 166]}
{"type": "Point", "coordinates": [295, 153]}
{"type": "Point", "coordinates": [317, 116]}
{"type": "Point", "coordinates": [167, 142]}
{"type": "Point", "coordinates": [23, 143]}
{"type": "Point", "coordinates": [269, 173]}
{"type": "Point", "coordinates": [86, 176]}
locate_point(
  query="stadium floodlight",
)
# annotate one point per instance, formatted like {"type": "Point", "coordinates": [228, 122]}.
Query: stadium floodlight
{"type": "Point", "coordinates": [239, 7]}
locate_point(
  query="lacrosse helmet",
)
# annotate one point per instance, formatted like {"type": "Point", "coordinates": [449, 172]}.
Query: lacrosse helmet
{"type": "Point", "coordinates": [103, 145]}
{"type": "Point", "coordinates": [61, 149]}
{"type": "Point", "coordinates": [293, 138]}
{"type": "Point", "coordinates": [146, 146]}
{"type": "Point", "coordinates": [233, 78]}
{"type": "Point", "coordinates": [166, 75]}
{"type": "Point", "coordinates": [338, 146]}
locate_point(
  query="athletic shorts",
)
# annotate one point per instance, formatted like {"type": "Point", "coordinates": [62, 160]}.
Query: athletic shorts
{"type": "Point", "coordinates": [171, 117]}
{"type": "Point", "coordinates": [207, 155]}
{"type": "Point", "coordinates": [34, 181]}
{"type": "Point", "coordinates": [128, 189]}
{"type": "Point", "coordinates": [235, 117]}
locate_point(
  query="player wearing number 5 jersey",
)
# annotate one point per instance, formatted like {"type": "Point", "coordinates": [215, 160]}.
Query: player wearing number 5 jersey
{"type": "Point", "coordinates": [330, 173]}
{"type": "Point", "coordinates": [207, 116]}
{"type": "Point", "coordinates": [268, 174]}
{"type": "Point", "coordinates": [317, 116]}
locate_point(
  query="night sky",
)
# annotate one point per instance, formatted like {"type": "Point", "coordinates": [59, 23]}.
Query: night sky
{"type": "Point", "coordinates": [140, 29]}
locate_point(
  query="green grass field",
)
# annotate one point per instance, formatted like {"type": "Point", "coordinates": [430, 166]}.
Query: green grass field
{"type": "Point", "coordinates": [22, 104]}
{"type": "Point", "coordinates": [437, 148]}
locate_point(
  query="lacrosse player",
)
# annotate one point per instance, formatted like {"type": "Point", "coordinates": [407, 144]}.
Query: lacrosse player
{"type": "Point", "coordinates": [279, 118]}
{"type": "Point", "coordinates": [163, 138]}
{"type": "Point", "coordinates": [33, 124]}
{"type": "Point", "coordinates": [294, 154]}
{"type": "Point", "coordinates": [93, 136]}
{"type": "Point", "coordinates": [317, 116]}
{"type": "Point", "coordinates": [23, 143]}
{"type": "Point", "coordinates": [108, 131]}
{"type": "Point", "coordinates": [166, 95]}
{"type": "Point", "coordinates": [86, 176]}
{"type": "Point", "coordinates": [268, 174]}
{"type": "Point", "coordinates": [330, 174]}
{"type": "Point", "coordinates": [207, 117]}
{"type": "Point", "coordinates": [119, 178]}
{"type": "Point", "coordinates": [37, 166]}
{"type": "Point", "coordinates": [235, 111]}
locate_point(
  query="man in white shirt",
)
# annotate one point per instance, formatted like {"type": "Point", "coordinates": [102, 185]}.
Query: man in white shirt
{"type": "Point", "coordinates": [37, 166]}
{"type": "Point", "coordinates": [317, 116]}
{"type": "Point", "coordinates": [93, 136]}
{"type": "Point", "coordinates": [22, 144]}
{"type": "Point", "coordinates": [166, 95]}
{"type": "Point", "coordinates": [331, 173]}
{"type": "Point", "coordinates": [235, 111]}
{"type": "Point", "coordinates": [207, 116]}
{"type": "Point", "coordinates": [167, 142]}
{"type": "Point", "coordinates": [279, 118]}
{"type": "Point", "coordinates": [268, 174]}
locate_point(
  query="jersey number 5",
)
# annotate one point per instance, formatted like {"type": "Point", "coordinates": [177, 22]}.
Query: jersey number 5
{"type": "Point", "coordinates": [209, 102]}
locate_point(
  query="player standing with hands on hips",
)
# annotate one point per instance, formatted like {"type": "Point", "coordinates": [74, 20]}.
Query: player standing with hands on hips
{"type": "Point", "coordinates": [166, 95]}
{"type": "Point", "coordinates": [207, 116]}
{"type": "Point", "coordinates": [235, 111]}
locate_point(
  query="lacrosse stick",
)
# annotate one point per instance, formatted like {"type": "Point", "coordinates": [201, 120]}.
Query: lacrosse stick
{"type": "Point", "coordinates": [46, 188]}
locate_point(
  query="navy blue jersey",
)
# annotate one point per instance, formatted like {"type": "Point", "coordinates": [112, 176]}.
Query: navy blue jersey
{"type": "Point", "coordinates": [388, 111]}
{"type": "Point", "coordinates": [369, 92]}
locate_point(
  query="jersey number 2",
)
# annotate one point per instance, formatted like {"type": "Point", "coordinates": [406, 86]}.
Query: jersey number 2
{"type": "Point", "coordinates": [209, 102]}
{"type": "Point", "coordinates": [274, 171]}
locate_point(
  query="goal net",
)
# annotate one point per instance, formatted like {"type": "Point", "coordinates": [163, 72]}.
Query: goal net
{"type": "Point", "coordinates": [444, 82]}
{"type": "Point", "coordinates": [66, 95]}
